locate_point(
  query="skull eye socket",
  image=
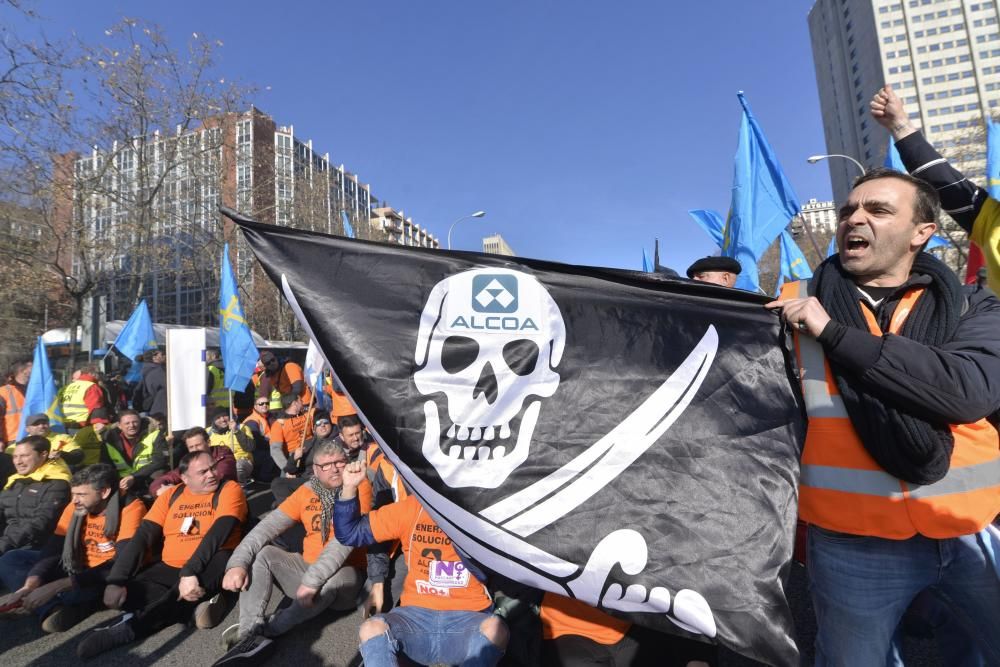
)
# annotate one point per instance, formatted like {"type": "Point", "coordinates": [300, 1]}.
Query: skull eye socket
{"type": "Point", "coordinates": [521, 356]}
{"type": "Point", "coordinates": [458, 353]}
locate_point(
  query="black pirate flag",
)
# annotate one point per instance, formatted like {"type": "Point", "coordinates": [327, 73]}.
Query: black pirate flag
{"type": "Point", "coordinates": [627, 440]}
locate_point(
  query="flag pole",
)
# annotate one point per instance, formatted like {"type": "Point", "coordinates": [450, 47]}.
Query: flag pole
{"type": "Point", "coordinates": [312, 402]}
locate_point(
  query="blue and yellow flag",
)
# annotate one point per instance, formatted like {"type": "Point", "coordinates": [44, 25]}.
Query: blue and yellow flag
{"type": "Point", "coordinates": [794, 265]}
{"type": "Point", "coordinates": [239, 353]}
{"type": "Point", "coordinates": [41, 396]}
{"type": "Point", "coordinates": [763, 202]}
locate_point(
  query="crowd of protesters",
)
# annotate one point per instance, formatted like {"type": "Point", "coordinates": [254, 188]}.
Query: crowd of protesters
{"type": "Point", "coordinates": [119, 513]}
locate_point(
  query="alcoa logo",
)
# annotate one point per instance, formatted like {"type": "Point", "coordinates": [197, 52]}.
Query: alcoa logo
{"type": "Point", "coordinates": [496, 296]}
{"type": "Point", "coordinates": [494, 293]}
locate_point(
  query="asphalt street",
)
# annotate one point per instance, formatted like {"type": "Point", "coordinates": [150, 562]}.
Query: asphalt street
{"type": "Point", "coordinates": [329, 640]}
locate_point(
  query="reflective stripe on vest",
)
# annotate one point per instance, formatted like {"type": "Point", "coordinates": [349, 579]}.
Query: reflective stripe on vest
{"type": "Point", "coordinates": [143, 454]}
{"type": "Point", "coordinates": [843, 489]}
{"type": "Point", "coordinates": [74, 408]}
{"type": "Point", "coordinates": [219, 396]}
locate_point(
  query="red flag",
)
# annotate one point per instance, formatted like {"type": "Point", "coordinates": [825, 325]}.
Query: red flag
{"type": "Point", "coordinates": [976, 261]}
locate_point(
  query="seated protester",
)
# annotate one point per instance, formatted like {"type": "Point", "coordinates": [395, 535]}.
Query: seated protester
{"type": "Point", "coordinates": [342, 405]}
{"type": "Point", "coordinates": [290, 430]}
{"type": "Point", "coordinates": [196, 440]}
{"type": "Point", "coordinates": [66, 584]}
{"type": "Point", "coordinates": [60, 445]}
{"type": "Point", "coordinates": [574, 633]}
{"type": "Point", "coordinates": [226, 432]}
{"type": "Point", "coordinates": [137, 450]}
{"type": "Point", "coordinates": [445, 614]}
{"type": "Point", "coordinates": [199, 523]}
{"type": "Point", "coordinates": [298, 468]}
{"type": "Point", "coordinates": [30, 505]}
{"type": "Point", "coordinates": [259, 423]}
{"type": "Point", "coordinates": [325, 575]}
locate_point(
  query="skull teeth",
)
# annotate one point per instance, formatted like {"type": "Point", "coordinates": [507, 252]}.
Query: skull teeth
{"type": "Point", "coordinates": [451, 431]}
{"type": "Point", "coordinates": [463, 433]}
{"type": "Point", "coordinates": [490, 433]}
{"type": "Point", "coordinates": [476, 433]}
{"type": "Point", "coordinates": [481, 453]}
{"type": "Point", "coordinates": [505, 431]}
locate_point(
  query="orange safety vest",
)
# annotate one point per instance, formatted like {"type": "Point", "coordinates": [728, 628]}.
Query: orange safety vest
{"type": "Point", "coordinates": [843, 489]}
{"type": "Point", "coordinates": [265, 427]}
{"type": "Point", "coordinates": [14, 401]}
{"type": "Point", "coordinates": [376, 459]}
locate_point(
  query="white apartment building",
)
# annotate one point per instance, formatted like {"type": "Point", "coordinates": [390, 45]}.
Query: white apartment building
{"type": "Point", "coordinates": [941, 56]}
{"type": "Point", "coordinates": [821, 216]}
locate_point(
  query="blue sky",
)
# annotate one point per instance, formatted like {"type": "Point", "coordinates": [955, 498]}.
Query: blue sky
{"type": "Point", "coordinates": [584, 129]}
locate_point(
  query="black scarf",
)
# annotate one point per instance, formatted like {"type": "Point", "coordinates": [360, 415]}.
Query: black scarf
{"type": "Point", "coordinates": [73, 545]}
{"type": "Point", "coordinates": [905, 444]}
{"type": "Point", "coordinates": [326, 499]}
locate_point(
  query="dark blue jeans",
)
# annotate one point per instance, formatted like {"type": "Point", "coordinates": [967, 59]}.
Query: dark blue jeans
{"type": "Point", "coordinates": [862, 585]}
{"type": "Point", "coordinates": [15, 566]}
{"type": "Point", "coordinates": [428, 636]}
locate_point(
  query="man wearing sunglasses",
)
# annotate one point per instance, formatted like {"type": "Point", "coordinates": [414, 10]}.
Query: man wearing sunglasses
{"type": "Point", "coordinates": [325, 575]}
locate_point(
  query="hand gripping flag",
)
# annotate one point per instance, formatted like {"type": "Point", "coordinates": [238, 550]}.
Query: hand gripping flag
{"type": "Point", "coordinates": [40, 396]}
{"type": "Point", "coordinates": [621, 438]}
{"type": "Point", "coordinates": [239, 354]}
{"type": "Point", "coordinates": [763, 202]}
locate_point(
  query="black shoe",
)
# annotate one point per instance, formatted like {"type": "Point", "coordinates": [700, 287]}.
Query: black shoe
{"type": "Point", "coordinates": [64, 617]}
{"type": "Point", "coordinates": [254, 647]}
{"type": "Point", "coordinates": [104, 639]}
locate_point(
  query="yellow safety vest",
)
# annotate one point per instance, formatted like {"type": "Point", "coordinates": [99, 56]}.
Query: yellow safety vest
{"type": "Point", "coordinates": [228, 439]}
{"type": "Point", "coordinates": [219, 396]}
{"type": "Point", "coordinates": [143, 454]}
{"type": "Point", "coordinates": [74, 410]}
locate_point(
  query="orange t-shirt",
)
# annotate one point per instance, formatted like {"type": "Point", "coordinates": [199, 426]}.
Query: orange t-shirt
{"type": "Point", "coordinates": [289, 374]}
{"type": "Point", "coordinates": [303, 506]}
{"type": "Point", "coordinates": [97, 548]}
{"type": "Point", "coordinates": [187, 520]}
{"type": "Point", "coordinates": [561, 615]}
{"type": "Point", "coordinates": [341, 404]}
{"type": "Point", "coordinates": [287, 431]}
{"type": "Point", "coordinates": [437, 577]}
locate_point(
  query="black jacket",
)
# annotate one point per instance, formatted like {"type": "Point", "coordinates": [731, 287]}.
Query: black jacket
{"type": "Point", "coordinates": [29, 511]}
{"type": "Point", "coordinates": [151, 394]}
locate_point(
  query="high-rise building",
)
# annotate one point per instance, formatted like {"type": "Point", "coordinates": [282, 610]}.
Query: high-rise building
{"type": "Point", "coordinates": [149, 209]}
{"type": "Point", "coordinates": [496, 245]}
{"type": "Point", "coordinates": [941, 56]}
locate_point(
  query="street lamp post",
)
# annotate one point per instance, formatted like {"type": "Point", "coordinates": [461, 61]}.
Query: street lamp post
{"type": "Point", "coordinates": [477, 214]}
{"type": "Point", "coordinates": [816, 158]}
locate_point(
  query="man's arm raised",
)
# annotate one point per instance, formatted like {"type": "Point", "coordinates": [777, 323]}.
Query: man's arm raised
{"type": "Point", "coordinates": [888, 111]}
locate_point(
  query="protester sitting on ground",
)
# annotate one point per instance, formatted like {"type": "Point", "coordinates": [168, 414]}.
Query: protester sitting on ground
{"type": "Point", "coordinates": [341, 404]}
{"type": "Point", "coordinates": [196, 440]}
{"type": "Point", "coordinates": [299, 468]}
{"type": "Point", "coordinates": [61, 445]}
{"type": "Point", "coordinates": [429, 627]}
{"type": "Point", "coordinates": [199, 523]}
{"type": "Point", "coordinates": [226, 432]}
{"type": "Point", "coordinates": [66, 584]}
{"type": "Point", "coordinates": [290, 430]}
{"type": "Point", "coordinates": [137, 450]}
{"type": "Point", "coordinates": [325, 575]}
{"type": "Point", "coordinates": [30, 504]}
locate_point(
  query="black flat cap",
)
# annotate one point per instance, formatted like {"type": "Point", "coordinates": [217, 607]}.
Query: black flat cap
{"type": "Point", "coordinates": [714, 264]}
